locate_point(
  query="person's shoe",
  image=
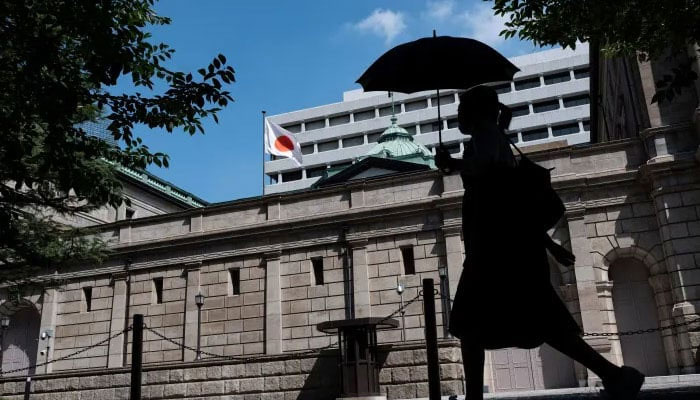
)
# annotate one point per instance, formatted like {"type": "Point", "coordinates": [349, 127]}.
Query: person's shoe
{"type": "Point", "coordinates": [626, 386]}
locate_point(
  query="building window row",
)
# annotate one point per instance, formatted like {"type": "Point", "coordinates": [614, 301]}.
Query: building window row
{"type": "Point", "coordinates": [420, 104]}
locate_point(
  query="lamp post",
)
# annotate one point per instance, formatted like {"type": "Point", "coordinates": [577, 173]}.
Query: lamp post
{"type": "Point", "coordinates": [399, 289]}
{"type": "Point", "coordinates": [4, 324]}
{"type": "Point", "coordinates": [444, 299]}
{"type": "Point", "coordinates": [199, 301]}
{"type": "Point", "coordinates": [47, 335]}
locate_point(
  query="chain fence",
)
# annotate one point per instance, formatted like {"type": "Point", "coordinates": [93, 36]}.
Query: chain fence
{"type": "Point", "coordinates": [209, 355]}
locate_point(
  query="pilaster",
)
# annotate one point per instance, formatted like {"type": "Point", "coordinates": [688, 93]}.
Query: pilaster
{"type": "Point", "coordinates": [453, 250]}
{"type": "Point", "coordinates": [48, 323]}
{"type": "Point", "coordinates": [360, 278]}
{"type": "Point", "coordinates": [118, 322]}
{"type": "Point", "coordinates": [192, 272]}
{"type": "Point", "coordinates": [273, 304]}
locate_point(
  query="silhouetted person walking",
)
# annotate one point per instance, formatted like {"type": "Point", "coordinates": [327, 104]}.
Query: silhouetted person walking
{"type": "Point", "coordinates": [504, 297]}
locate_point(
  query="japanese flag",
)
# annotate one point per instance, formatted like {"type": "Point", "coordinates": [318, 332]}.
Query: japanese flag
{"type": "Point", "coordinates": [281, 142]}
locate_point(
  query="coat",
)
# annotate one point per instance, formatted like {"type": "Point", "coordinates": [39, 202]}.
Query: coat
{"type": "Point", "coordinates": [504, 297]}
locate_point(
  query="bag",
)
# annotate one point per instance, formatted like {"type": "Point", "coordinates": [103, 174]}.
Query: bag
{"type": "Point", "coordinates": [540, 202]}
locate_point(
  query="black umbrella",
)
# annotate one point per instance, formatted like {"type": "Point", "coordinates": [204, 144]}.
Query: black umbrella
{"type": "Point", "coordinates": [438, 62]}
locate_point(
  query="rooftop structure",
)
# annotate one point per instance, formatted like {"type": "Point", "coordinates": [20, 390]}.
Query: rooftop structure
{"type": "Point", "coordinates": [549, 99]}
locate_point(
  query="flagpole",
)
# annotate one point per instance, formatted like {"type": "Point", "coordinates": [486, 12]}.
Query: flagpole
{"type": "Point", "coordinates": [263, 152]}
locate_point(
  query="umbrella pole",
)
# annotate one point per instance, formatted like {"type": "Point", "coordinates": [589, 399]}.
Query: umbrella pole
{"type": "Point", "coordinates": [439, 119]}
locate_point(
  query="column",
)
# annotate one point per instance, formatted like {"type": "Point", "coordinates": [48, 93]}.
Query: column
{"type": "Point", "coordinates": [453, 253]}
{"type": "Point", "coordinates": [360, 278]}
{"type": "Point", "coordinates": [118, 320]}
{"type": "Point", "coordinates": [585, 283]}
{"type": "Point", "coordinates": [48, 323]}
{"type": "Point", "coordinates": [273, 304]}
{"type": "Point", "coordinates": [192, 272]}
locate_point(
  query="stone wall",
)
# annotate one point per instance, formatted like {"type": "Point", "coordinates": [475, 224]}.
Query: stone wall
{"type": "Point", "coordinates": [403, 375]}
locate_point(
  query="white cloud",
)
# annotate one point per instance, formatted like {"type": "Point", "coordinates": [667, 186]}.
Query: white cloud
{"type": "Point", "coordinates": [440, 10]}
{"type": "Point", "coordinates": [481, 24]}
{"type": "Point", "coordinates": [384, 23]}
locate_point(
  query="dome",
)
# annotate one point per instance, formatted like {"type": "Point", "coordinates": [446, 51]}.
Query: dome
{"type": "Point", "coordinates": [395, 142]}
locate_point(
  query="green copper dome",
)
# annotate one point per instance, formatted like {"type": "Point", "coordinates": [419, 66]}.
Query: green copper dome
{"type": "Point", "coordinates": [396, 143]}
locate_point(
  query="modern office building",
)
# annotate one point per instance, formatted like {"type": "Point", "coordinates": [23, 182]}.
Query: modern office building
{"type": "Point", "coordinates": [549, 99]}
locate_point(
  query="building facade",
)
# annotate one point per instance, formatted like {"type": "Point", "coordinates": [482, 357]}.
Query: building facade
{"type": "Point", "coordinates": [549, 99]}
{"type": "Point", "coordinates": [272, 268]}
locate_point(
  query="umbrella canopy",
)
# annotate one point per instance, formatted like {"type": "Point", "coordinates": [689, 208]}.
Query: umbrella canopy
{"type": "Point", "coordinates": [441, 62]}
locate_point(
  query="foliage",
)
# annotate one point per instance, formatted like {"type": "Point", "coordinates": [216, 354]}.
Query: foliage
{"type": "Point", "coordinates": [649, 29]}
{"type": "Point", "coordinates": [60, 61]}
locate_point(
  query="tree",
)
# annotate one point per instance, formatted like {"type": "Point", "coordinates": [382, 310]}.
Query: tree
{"type": "Point", "coordinates": [59, 60]}
{"type": "Point", "coordinates": [649, 29]}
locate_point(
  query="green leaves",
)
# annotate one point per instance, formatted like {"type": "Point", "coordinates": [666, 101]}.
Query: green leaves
{"type": "Point", "coordinates": [60, 61]}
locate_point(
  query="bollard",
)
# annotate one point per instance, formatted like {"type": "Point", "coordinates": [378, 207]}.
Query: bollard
{"type": "Point", "coordinates": [431, 340]}
{"type": "Point", "coordinates": [136, 357]}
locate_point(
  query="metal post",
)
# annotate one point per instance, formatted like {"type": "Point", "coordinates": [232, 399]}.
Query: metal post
{"type": "Point", "coordinates": [445, 300]}
{"type": "Point", "coordinates": [27, 387]}
{"type": "Point", "coordinates": [431, 339]}
{"type": "Point", "coordinates": [136, 357]}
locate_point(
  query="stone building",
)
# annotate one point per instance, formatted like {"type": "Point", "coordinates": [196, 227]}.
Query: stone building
{"type": "Point", "coordinates": [273, 267]}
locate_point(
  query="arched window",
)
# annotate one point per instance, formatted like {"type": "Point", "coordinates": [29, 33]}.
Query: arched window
{"type": "Point", "coordinates": [635, 308]}
{"type": "Point", "coordinates": [20, 341]}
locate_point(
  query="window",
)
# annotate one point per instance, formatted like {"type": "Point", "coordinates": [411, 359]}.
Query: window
{"type": "Point", "coordinates": [527, 83]}
{"type": "Point", "coordinates": [316, 124]}
{"type": "Point", "coordinates": [314, 172]}
{"type": "Point", "coordinates": [453, 148]}
{"type": "Point", "coordinates": [291, 176]}
{"type": "Point", "coordinates": [452, 123]}
{"type": "Point", "coordinates": [545, 106]}
{"type": "Point", "coordinates": [234, 275]}
{"type": "Point", "coordinates": [129, 213]}
{"type": "Point", "coordinates": [273, 178]}
{"type": "Point", "coordinates": [566, 129]}
{"type": "Point", "coordinates": [384, 111]}
{"type": "Point", "coordinates": [446, 99]}
{"type": "Point", "coordinates": [295, 128]}
{"type": "Point", "coordinates": [307, 149]}
{"type": "Point", "coordinates": [535, 134]}
{"type": "Point", "coordinates": [158, 290]}
{"type": "Point", "coordinates": [513, 137]}
{"type": "Point", "coordinates": [587, 125]}
{"type": "Point", "coordinates": [316, 271]}
{"type": "Point", "coordinates": [364, 115]}
{"type": "Point", "coordinates": [581, 73]}
{"type": "Point", "coordinates": [339, 120]}
{"type": "Point", "coordinates": [416, 105]}
{"type": "Point", "coordinates": [429, 127]}
{"type": "Point", "coordinates": [409, 265]}
{"type": "Point", "coordinates": [373, 137]}
{"type": "Point", "coordinates": [87, 299]}
{"type": "Point", "coordinates": [558, 77]}
{"type": "Point", "coordinates": [353, 141]}
{"type": "Point", "coordinates": [410, 129]}
{"type": "Point", "coordinates": [519, 111]}
{"type": "Point", "coordinates": [502, 88]}
{"type": "Point", "coordinates": [327, 146]}
{"type": "Point", "coordinates": [574, 101]}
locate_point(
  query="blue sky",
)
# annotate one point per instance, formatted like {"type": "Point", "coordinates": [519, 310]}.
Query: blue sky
{"type": "Point", "coordinates": [288, 55]}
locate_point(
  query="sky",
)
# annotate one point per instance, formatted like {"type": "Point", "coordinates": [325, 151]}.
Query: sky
{"type": "Point", "coordinates": [288, 55]}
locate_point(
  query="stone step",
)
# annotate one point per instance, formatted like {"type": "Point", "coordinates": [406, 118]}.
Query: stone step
{"type": "Point", "coordinates": [674, 387]}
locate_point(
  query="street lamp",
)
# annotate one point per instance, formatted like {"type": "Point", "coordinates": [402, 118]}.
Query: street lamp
{"type": "Point", "coordinates": [444, 299]}
{"type": "Point", "coordinates": [199, 301]}
{"type": "Point", "coordinates": [399, 289]}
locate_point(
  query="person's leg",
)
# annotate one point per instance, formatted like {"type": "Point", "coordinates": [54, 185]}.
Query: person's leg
{"type": "Point", "coordinates": [575, 347]}
{"type": "Point", "coordinates": [473, 359]}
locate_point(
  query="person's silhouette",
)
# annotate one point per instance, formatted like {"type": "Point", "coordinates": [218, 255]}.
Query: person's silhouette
{"type": "Point", "coordinates": [504, 297]}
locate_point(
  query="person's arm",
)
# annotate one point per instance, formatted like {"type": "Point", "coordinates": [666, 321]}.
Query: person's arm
{"type": "Point", "coordinates": [564, 256]}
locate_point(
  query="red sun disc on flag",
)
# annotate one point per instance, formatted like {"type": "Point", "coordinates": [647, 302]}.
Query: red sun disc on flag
{"type": "Point", "coordinates": [284, 143]}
